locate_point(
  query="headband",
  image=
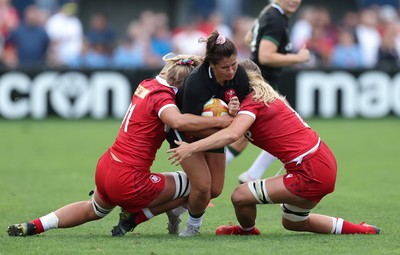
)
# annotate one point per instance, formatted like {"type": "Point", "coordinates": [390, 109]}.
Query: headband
{"type": "Point", "coordinates": [220, 39]}
{"type": "Point", "coordinates": [184, 62]}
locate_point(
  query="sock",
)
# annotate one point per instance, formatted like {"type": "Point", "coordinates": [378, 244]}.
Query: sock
{"type": "Point", "coordinates": [260, 165]}
{"type": "Point", "coordinates": [195, 221]}
{"type": "Point", "coordinates": [39, 227]}
{"type": "Point", "coordinates": [45, 223]}
{"type": "Point", "coordinates": [179, 210]}
{"type": "Point", "coordinates": [246, 229]}
{"type": "Point", "coordinates": [143, 215]}
{"type": "Point", "coordinates": [231, 154]}
{"type": "Point", "coordinates": [341, 226]}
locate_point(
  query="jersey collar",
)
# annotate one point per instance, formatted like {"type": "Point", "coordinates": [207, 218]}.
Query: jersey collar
{"type": "Point", "coordinates": [165, 83]}
{"type": "Point", "coordinates": [210, 72]}
{"type": "Point", "coordinates": [279, 8]}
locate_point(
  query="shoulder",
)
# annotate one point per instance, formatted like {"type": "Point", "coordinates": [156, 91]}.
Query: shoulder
{"type": "Point", "coordinates": [275, 17]}
{"type": "Point", "coordinates": [198, 78]}
{"type": "Point", "coordinates": [152, 86]}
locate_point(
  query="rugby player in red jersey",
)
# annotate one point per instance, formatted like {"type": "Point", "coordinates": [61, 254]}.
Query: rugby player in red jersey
{"type": "Point", "coordinates": [269, 123]}
{"type": "Point", "coordinates": [123, 177]}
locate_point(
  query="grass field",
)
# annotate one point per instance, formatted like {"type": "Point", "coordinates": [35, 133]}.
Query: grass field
{"type": "Point", "coordinates": [47, 164]}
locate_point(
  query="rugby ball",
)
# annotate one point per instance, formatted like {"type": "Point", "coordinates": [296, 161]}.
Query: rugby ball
{"type": "Point", "coordinates": [215, 107]}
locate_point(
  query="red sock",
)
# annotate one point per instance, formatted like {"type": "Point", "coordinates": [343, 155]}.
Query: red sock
{"type": "Point", "coordinates": [39, 226]}
{"type": "Point", "coordinates": [140, 217]}
{"type": "Point", "coordinates": [352, 228]}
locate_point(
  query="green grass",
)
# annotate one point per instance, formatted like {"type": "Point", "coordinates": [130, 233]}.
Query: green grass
{"type": "Point", "coordinates": [47, 164]}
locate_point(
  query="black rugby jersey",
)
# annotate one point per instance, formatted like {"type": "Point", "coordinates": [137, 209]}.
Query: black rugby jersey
{"type": "Point", "coordinates": [272, 25]}
{"type": "Point", "coordinates": [201, 85]}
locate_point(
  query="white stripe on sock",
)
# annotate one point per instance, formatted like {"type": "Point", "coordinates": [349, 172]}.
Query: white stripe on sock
{"type": "Point", "coordinates": [49, 221]}
{"type": "Point", "coordinates": [339, 226]}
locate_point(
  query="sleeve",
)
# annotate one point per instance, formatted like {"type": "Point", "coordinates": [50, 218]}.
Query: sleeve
{"type": "Point", "coordinates": [248, 107]}
{"type": "Point", "coordinates": [158, 100]}
{"type": "Point", "coordinates": [273, 29]}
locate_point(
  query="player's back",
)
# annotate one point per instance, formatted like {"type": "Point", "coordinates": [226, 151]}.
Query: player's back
{"type": "Point", "coordinates": [142, 132]}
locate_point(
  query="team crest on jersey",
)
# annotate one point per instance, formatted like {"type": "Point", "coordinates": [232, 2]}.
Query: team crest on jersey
{"type": "Point", "coordinates": [155, 178]}
{"type": "Point", "coordinates": [229, 94]}
{"type": "Point", "coordinates": [141, 91]}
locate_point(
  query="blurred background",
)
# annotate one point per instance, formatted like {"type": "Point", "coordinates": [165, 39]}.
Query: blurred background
{"type": "Point", "coordinates": [77, 59]}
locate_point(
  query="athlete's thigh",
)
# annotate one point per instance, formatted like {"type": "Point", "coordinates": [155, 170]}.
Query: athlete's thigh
{"type": "Point", "coordinates": [168, 192]}
{"type": "Point", "coordinates": [278, 193]}
{"type": "Point", "coordinates": [197, 171]}
{"type": "Point", "coordinates": [101, 202]}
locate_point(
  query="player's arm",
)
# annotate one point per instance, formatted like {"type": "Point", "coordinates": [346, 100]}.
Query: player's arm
{"type": "Point", "coordinates": [226, 136]}
{"type": "Point", "coordinates": [190, 122]}
{"type": "Point", "coordinates": [268, 55]}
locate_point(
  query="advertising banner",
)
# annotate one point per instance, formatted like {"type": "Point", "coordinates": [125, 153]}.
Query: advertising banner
{"type": "Point", "coordinates": [98, 94]}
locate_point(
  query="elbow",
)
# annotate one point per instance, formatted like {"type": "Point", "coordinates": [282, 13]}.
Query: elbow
{"type": "Point", "coordinates": [233, 136]}
{"type": "Point", "coordinates": [177, 124]}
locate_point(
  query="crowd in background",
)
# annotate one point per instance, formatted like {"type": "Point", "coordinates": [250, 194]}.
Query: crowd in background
{"type": "Point", "coordinates": [368, 38]}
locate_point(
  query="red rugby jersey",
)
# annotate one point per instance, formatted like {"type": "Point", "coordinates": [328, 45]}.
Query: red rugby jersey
{"type": "Point", "coordinates": [278, 129]}
{"type": "Point", "coordinates": [142, 132]}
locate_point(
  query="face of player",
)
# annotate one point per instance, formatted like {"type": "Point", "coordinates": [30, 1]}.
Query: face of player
{"type": "Point", "coordinates": [226, 69]}
{"type": "Point", "coordinates": [289, 6]}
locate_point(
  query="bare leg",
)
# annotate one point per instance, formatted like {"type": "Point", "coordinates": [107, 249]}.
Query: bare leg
{"type": "Point", "coordinates": [216, 163]}
{"type": "Point", "coordinates": [234, 149]}
{"type": "Point", "coordinates": [200, 179]}
{"type": "Point", "coordinates": [245, 208]}
{"type": "Point", "coordinates": [240, 144]}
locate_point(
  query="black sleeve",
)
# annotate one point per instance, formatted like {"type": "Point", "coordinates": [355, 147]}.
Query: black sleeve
{"type": "Point", "coordinates": [273, 27]}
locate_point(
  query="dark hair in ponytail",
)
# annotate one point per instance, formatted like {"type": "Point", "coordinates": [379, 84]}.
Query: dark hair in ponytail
{"type": "Point", "coordinates": [218, 47]}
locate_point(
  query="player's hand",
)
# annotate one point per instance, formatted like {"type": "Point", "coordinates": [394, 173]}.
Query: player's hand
{"type": "Point", "coordinates": [225, 121]}
{"type": "Point", "coordinates": [182, 152]}
{"type": "Point", "coordinates": [303, 54]}
{"type": "Point", "coordinates": [233, 106]}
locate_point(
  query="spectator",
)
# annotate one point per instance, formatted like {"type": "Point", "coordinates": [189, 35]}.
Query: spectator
{"type": "Point", "coordinates": [92, 56]}
{"type": "Point", "coordinates": [368, 37]}
{"type": "Point", "coordinates": [388, 56]}
{"type": "Point", "coordinates": [346, 54]}
{"type": "Point", "coordinates": [135, 51]}
{"type": "Point", "coordinates": [185, 41]}
{"type": "Point", "coordinates": [30, 39]}
{"type": "Point", "coordinates": [148, 24]}
{"type": "Point", "coordinates": [128, 54]}
{"type": "Point", "coordinates": [303, 26]}
{"type": "Point", "coordinates": [66, 35]}
{"type": "Point", "coordinates": [323, 38]}
{"type": "Point", "coordinates": [215, 21]}
{"type": "Point", "coordinates": [9, 20]}
{"type": "Point", "coordinates": [161, 37]}
{"type": "Point", "coordinates": [100, 34]}
{"type": "Point", "coordinates": [240, 27]}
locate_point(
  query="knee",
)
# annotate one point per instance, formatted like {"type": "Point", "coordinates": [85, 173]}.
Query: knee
{"type": "Point", "coordinates": [294, 218]}
{"type": "Point", "coordinates": [215, 192]}
{"type": "Point", "coordinates": [238, 197]}
{"type": "Point", "coordinates": [201, 191]}
{"type": "Point", "coordinates": [293, 225]}
{"type": "Point", "coordinates": [95, 211]}
{"type": "Point", "coordinates": [91, 212]}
